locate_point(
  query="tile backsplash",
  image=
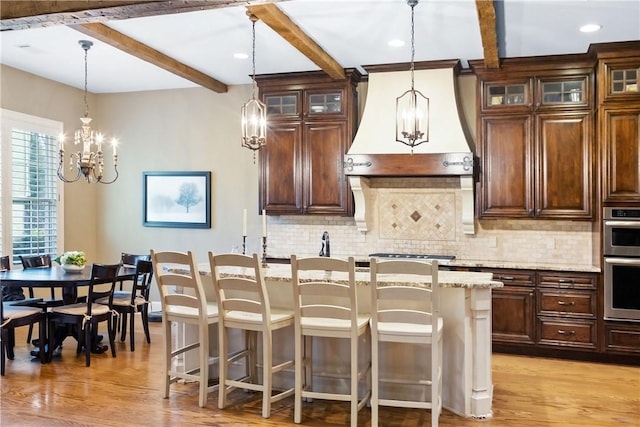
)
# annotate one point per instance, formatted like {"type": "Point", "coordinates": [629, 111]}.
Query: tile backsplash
{"type": "Point", "coordinates": [422, 215]}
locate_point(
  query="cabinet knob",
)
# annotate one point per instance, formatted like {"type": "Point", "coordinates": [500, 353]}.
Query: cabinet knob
{"type": "Point", "coordinates": [563, 332]}
{"type": "Point", "coordinates": [567, 303]}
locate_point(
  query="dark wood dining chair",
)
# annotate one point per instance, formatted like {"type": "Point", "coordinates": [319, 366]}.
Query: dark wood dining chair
{"type": "Point", "coordinates": [128, 259]}
{"type": "Point", "coordinates": [11, 317]}
{"type": "Point", "coordinates": [39, 261]}
{"type": "Point", "coordinates": [128, 303]}
{"type": "Point", "coordinates": [87, 315]}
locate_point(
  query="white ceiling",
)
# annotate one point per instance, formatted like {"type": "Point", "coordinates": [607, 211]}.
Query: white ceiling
{"type": "Point", "coordinates": [354, 32]}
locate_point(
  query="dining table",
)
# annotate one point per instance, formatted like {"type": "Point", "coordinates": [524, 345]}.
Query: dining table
{"type": "Point", "coordinates": [56, 277]}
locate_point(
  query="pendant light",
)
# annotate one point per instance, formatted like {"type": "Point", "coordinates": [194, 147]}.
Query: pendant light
{"type": "Point", "coordinates": [254, 113]}
{"type": "Point", "coordinates": [412, 107]}
{"type": "Point", "coordinates": [88, 161]}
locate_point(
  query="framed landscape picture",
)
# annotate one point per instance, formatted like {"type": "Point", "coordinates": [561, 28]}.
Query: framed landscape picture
{"type": "Point", "coordinates": [176, 199]}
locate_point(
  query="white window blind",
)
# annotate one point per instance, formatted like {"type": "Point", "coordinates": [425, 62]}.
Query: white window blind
{"type": "Point", "coordinates": [31, 208]}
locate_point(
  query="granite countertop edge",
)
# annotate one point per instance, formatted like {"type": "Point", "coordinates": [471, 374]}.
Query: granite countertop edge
{"type": "Point", "coordinates": [281, 273]}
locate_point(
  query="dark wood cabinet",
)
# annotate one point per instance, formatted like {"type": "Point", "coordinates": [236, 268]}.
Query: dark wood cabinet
{"type": "Point", "coordinates": [622, 338]}
{"type": "Point", "coordinates": [567, 310]}
{"type": "Point", "coordinates": [564, 168]}
{"type": "Point", "coordinates": [513, 307]}
{"type": "Point", "coordinates": [544, 311]}
{"type": "Point", "coordinates": [311, 123]}
{"type": "Point", "coordinates": [619, 121]}
{"type": "Point", "coordinates": [536, 144]}
{"type": "Point", "coordinates": [506, 166]}
{"type": "Point", "coordinates": [620, 154]}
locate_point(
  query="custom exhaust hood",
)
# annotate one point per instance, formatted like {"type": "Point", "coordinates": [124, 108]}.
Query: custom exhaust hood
{"type": "Point", "coordinates": [375, 152]}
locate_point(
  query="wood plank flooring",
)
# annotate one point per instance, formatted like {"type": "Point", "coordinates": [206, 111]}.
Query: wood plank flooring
{"type": "Point", "coordinates": [125, 391]}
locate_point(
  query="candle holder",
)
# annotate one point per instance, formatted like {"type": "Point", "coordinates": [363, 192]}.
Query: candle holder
{"type": "Point", "coordinates": [264, 252]}
{"type": "Point", "coordinates": [244, 245]}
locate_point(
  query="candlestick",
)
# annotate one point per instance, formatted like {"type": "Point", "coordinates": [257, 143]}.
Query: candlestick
{"type": "Point", "coordinates": [244, 223]}
{"type": "Point", "coordinates": [264, 223]}
{"type": "Point", "coordinates": [244, 244]}
{"type": "Point", "coordinates": [264, 252]}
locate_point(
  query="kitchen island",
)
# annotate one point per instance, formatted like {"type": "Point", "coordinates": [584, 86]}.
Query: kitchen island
{"type": "Point", "coordinates": [465, 308]}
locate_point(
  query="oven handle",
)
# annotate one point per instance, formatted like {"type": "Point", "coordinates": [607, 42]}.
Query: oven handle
{"type": "Point", "coordinates": [631, 224]}
{"type": "Point", "coordinates": [622, 261]}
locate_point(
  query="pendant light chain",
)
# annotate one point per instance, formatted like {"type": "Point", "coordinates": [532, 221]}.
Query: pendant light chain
{"type": "Point", "coordinates": [86, 103]}
{"type": "Point", "coordinates": [253, 56]}
{"type": "Point", "coordinates": [413, 42]}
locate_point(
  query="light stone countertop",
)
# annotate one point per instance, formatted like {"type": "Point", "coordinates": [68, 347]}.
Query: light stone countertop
{"type": "Point", "coordinates": [521, 265]}
{"type": "Point", "coordinates": [516, 265]}
{"type": "Point", "coordinates": [447, 279]}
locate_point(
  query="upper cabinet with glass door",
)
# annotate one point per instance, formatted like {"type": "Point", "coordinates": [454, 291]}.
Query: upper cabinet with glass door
{"type": "Point", "coordinates": [620, 79]}
{"type": "Point", "coordinates": [283, 104]}
{"type": "Point", "coordinates": [324, 103]}
{"type": "Point", "coordinates": [563, 92]}
{"type": "Point", "coordinates": [511, 95]}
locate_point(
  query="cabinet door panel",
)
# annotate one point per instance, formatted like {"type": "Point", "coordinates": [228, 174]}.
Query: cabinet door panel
{"type": "Point", "coordinates": [507, 160]}
{"type": "Point", "coordinates": [326, 186]}
{"type": "Point", "coordinates": [564, 166]}
{"type": "Point", "coordinates": [513, 315]}
{"type": "Point", "coordinates": [621, 156]}
{"type": "Point", "coordinates": [280, 178]}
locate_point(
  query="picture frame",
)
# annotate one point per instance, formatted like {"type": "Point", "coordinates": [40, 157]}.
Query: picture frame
{"type": "Point", "coordinates": [176, 199]}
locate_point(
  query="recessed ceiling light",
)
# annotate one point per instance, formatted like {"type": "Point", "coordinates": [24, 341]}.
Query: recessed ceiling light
{"type": "Point", "coordinates": [590, 28]}
{"type": "Point", "coordinates": [240, 55]}
{"type": "Point", "coordinates": [396, 43]}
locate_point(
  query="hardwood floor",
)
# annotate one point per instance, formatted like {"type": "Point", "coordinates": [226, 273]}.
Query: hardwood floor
{"type": "Point", "coordinates": [125, 391]}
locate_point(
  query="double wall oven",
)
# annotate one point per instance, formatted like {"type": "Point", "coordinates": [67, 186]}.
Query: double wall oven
{"type": "Point", "coordinates": [621, 250]}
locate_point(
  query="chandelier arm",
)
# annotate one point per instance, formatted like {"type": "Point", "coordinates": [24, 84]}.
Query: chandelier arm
{"type": "Point", "coordinates": [102, 181]}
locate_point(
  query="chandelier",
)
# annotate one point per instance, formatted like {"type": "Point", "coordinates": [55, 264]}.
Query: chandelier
{"type": "Point", "coordinates": [87, 163]}
{"type": "Point", "coordinates": [254, 113]}
{"type": "Point", "coordinates": [412, 107]}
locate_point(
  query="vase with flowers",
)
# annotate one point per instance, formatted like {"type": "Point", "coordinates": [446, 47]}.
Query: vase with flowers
{"type": "Point", "coordinates": [71, 261]}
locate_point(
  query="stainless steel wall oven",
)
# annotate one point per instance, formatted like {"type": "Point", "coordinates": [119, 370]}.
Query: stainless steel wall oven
{"type": "Point", "coordinates": [621, 249]}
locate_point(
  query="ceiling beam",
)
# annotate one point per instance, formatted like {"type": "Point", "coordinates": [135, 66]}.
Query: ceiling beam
{"type": "Point", "coordinates": [127, 44]}
{"type": "Point", "coordinates": [20, 15]}
{"type": "Point", "coordinates": [487, 19]}
{"type": "Point", "coordinates": [275, 18]}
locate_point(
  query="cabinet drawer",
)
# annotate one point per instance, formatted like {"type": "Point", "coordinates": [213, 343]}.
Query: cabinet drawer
{"type": "Point", "coordinates": [573, 303]}
{"type": "Point", "coordinates": [571, 281]}
{"type": "Point", "coordinates": [514, 277]}
{"type": "Point", "coordinates": [572, 334]}
{"type": "Point", "coordinates": [622, 338]}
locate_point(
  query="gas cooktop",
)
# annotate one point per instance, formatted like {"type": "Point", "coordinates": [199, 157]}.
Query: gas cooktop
{"type": "Point", "coordinates": [442, 259]}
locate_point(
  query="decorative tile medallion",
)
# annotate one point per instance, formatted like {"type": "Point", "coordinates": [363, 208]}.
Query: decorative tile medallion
{"type": "Point", "coordinates": [417, 214]}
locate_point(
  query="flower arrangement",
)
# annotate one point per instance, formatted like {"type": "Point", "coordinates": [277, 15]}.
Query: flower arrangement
{"type": "Point", "coordinates": [72, 258]}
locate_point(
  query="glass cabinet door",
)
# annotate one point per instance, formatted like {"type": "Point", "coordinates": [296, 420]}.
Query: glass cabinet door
{"type": "Point", "coordinates": [507, 94]}
{"type": "Point", "coordinates": [563, 92]}
{"type": "Point", "coordinates": [624, 81]}
{"type": "Point", "coordinates": [330, 102]}
{"type": "Point", "coordinates": [282, 104]}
